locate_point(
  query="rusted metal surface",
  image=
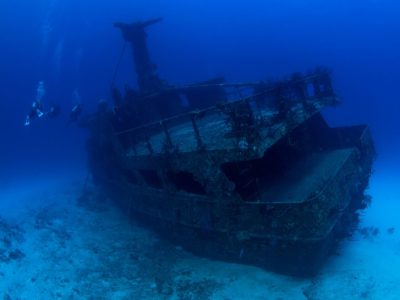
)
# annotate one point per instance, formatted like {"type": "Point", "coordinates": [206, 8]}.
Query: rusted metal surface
{"type": "Point", "coordinates": [257, 178]}
{"type": "Point", "coordinates": [323, 181]}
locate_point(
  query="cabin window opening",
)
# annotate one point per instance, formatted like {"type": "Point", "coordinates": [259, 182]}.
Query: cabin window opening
{"type": "Point", "coordinates": [130, 176]}
{"type": "Point", "coordinates": [185, 181]}
{"type": "Point", "coordinates": [152, 178]}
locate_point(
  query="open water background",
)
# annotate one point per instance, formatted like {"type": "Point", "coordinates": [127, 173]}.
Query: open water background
{"type": "Point", "coordinates": [72, 46]}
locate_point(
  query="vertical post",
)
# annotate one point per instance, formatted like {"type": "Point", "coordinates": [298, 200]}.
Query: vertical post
{"type": "Point", "coordinates": [327, 84]}
{"type": "Point", "coordinates": [200, 144]}
{"type": "Point", "coordinates": [167, 135]}
{"type": "Point", "coordinates": [135, 34]}
{"type": "Point", "coordinates": [148, 144]}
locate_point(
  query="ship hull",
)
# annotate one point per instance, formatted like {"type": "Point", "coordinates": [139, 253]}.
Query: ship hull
{"type": "Point", "coordinates": [291, 238]}
{"type": "Point", "coordinates": [262, 180]}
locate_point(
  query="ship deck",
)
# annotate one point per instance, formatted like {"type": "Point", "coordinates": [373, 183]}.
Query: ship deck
{"type": "Point", "coordinates": [213, 130]}
{"type": "Point", "coordinates": [308, 176]}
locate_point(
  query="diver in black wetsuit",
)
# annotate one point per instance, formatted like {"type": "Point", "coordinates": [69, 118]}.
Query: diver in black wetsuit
{"type": "Point", "coordinates": [36, 111]}
{"type": "Point", "coordinates": [75, 113]}
{"type": "Point", "coordinates": [37, 106]}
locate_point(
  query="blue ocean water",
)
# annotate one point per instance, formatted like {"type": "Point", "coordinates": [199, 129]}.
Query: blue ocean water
{"type": "Point", "coordinates": [73, 48]}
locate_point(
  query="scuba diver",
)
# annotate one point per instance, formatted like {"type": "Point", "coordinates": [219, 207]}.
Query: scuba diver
{"type": "Point", "coordinates": [36, 111]}
{"type": "Point", "coordinates": [75, 114]}
{"type": "Point", "coordinates": [37, 107]}
{"type": "Point", "coordinates": [77, 109]}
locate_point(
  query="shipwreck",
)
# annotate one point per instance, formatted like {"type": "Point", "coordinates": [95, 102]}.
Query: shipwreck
{"type": "Point", "coordinates": [240, 172]}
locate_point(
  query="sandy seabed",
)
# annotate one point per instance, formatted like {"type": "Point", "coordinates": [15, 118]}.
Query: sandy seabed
{"type": "Point", "coordinates": [56, 245]}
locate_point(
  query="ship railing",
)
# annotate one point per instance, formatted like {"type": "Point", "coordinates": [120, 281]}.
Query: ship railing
{"type": "Point", "coordinates": [198, 130]}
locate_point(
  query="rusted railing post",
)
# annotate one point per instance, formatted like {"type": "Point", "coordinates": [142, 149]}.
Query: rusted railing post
{"type": "Point", "coordinates": [200, 145]}
{"type": "Point", "coordinates": [167, 135]}
{"type": "Point", "coordinates": [327, 84]}
{"type": "Point", "coordinates": [148, 144]}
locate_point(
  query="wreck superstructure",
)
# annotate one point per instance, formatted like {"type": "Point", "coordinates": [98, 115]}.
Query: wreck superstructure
{"type": "Point", "coordinates": [246, 172]}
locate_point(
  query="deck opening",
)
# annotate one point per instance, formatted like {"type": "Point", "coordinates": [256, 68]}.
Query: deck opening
{"type": "Point", "coordinates": [151, 178]}
{"type": "Point", "coordinates": [185, 181]}
{"type": "Point", "coordinates": [295, 165]}
{"type": "Point", "coordinates": [251, 176]}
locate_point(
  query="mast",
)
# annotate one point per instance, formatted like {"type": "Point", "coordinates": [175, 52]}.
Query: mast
{"type": "Point", "coordinates": [135, 34]}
